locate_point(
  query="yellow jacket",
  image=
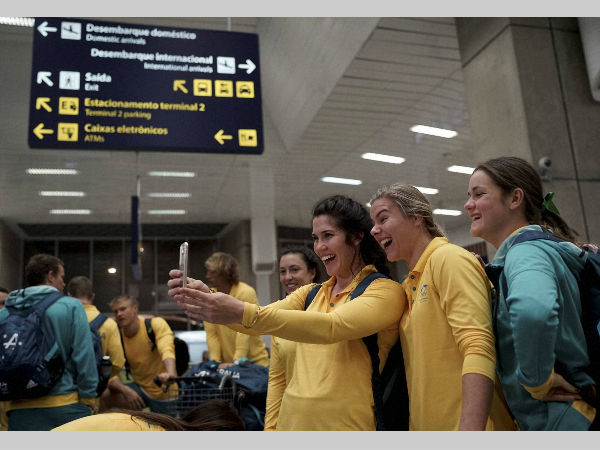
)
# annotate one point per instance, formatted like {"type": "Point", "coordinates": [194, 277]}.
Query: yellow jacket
{"type": "Point", "coordinates": [330, 387]}
{"type": "Point", "coordinates": [281, 367]}
{"type": "Point", "coordinates": [111, 341]}
{"type": "Point", "coordinates": [225, 345]}
{"type": "Point", "coordinates": [445, 333]}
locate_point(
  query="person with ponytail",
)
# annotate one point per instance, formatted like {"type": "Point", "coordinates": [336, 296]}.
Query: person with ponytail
{"type": "Point", "coordinates": [541, 348]}
{"type": "Point", "coordinates": [330, 386]}
{"type": "Point", "coordinates": [446, 329]}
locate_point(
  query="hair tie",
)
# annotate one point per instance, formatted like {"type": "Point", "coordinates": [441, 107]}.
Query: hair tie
{"type": "Point", "coordinates": [549, 205]}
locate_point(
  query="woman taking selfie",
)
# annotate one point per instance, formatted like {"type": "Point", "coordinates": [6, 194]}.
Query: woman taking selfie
{"type": "Point", "coordinates": [446, 330]}
{"type": "Point", "coordinates": [541, 347]}
{"type": "Point", "coordinates": [330, 387]}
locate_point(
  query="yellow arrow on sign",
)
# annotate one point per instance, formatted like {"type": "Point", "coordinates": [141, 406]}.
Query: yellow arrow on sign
{"type": "Point", "coordinates": [180, 84]}
{"type": "Point", "coordinates": [40, 131]}
{"type": "Point", "coordinates": [220, 137]}
{"type": "Point", "coordinates": [42, 102]}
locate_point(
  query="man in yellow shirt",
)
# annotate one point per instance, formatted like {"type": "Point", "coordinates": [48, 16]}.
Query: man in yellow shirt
{"type": "Point", "coordinates": [80, 287]}
{"type": "Point", "coordinates": [145, 360]}
{"type": "Point", "coordinates": [225, 345]}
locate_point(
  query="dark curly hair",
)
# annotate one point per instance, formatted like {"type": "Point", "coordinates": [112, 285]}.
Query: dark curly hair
{"type": "Point", "coordinates": [353, 218]}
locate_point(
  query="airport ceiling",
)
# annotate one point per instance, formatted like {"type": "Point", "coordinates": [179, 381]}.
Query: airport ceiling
{"type": "Point", "coordinates": [332, 89]}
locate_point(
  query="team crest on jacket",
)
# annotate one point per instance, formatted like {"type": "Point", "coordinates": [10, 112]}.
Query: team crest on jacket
{"type": "Point", "coordinates": [423, 293]}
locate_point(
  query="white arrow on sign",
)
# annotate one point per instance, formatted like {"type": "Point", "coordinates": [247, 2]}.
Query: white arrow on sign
{"type": "Point", "coordinates": [249, 66]}
{"type": "Point", "coordinates": [44, 77]}
{"type": "Point", "coordinates": [44, 28]}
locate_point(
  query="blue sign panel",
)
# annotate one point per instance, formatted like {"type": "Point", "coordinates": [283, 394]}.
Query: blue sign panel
{"type": "Point", "coordinates": [103, 85]}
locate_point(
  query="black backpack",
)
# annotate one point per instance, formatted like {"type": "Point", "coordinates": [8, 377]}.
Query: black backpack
{"type": "Point", "coordinates": [102, 363]}
{"type": "Point", "coordinates": [589, 291]}
{"type": "Point", "coordinates": [390, 392]}
{"type": "Point", "coordinates": [182, 353]}
{"type": "Point", "coordinates": [30, 360]}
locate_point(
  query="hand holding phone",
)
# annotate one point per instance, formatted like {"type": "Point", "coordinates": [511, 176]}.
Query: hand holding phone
{"type": "Point", "coordinates": [183, 262]}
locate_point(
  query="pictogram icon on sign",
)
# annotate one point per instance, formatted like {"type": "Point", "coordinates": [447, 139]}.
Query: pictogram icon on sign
{"type": "Point", "coordinates": [70, 30]}
{"type": "Point", "coordinates": [247, 138]}
{"type": "Point", "coordinates": [67, 132]}
{"type": "Point", "coordinates": [244, 89]}
{"type": "Point", "coordinates": [68, 80]}
{"type": "Point", "coordinates": [202, 88]}
{"type": "Point", "coordinates": [68, 106]}
{"type": "Point", "coordinates": [223, 88]}
{"type": "Point", "coordinates": [225, 64]}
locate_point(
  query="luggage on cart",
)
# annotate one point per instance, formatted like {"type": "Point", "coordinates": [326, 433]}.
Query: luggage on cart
{"type": "Point", "coordinates": [251, 381]}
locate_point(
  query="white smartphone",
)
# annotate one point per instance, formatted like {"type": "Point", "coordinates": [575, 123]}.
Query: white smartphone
{"type": "Point", "coordinates": [183, 262]}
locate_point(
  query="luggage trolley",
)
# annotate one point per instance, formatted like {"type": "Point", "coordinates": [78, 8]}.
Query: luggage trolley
{"type": "Point", "coordinates": [193, 390]}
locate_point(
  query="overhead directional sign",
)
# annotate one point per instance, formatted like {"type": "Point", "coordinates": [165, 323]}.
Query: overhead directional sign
{"type": "Point", "coordinates": [103, 85]}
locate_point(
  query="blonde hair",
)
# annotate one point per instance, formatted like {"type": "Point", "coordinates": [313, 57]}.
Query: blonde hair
{"type": "Point", "coordinates": [128, 298]}
{"type": "Point", "coordinates": [225, 265]}
{"type": "Point", "coordinates": [412, 203]}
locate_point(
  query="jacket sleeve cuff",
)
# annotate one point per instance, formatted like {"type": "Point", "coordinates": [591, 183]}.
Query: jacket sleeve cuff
{"type": "Point", "coordinates": [250, 314]}
{"type": "Point", "coordinates": [480, 364]}
{"type": "Point", "coordinates": [539, 392]}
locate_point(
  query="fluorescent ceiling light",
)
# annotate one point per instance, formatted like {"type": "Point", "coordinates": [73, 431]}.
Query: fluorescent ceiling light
{"type": "Point", "coordinates": [62, 194]}
{"type": "Point", "coordinates": [426, 190]}
{"type": "Point", "coordinates": [169, 194]}
{"type": "Point", "coordinates": [112, 270]}
{"type": "Point", "coordinates": [447, 212]}
{"type": "Point", "coordinates": [461, 169]}
{"type": "Point", "coordinates": [19, 21]}
{"type": "Point", "coordinates": [70, 211]}
{"type": "Point", "coordinates": [171, 174]}
{"type": "Point", "coordinates": [52, 171]}
{"type": "Point", "coordinates": [383, 158]}
{"type": "Point", "coordinates": [157, 212]}
{"type": "Point", "coordinates": [424, 129]}
{"type": "Point", "coordinates": [341, 180]}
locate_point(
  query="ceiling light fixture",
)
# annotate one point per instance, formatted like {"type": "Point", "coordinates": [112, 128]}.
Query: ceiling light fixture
{"type": "Point", "coordinates": [169, 194]}
{"type": "Point", "coordinates": [157, 212]}
{"type": "Point", "coordinates": [383, 158]}
{"type": "Point", "coordinates": [112, 270]}
{"type": "Point", "coordinates": [62, 194]}
{"type": "Point", "coordinates": [447, 212]}
{"type": "Point", "coordinates": [341, 180]}
{"type": "Point", "coordinates": [440, 132]}
{"type": "Point", "coordinates": [426, 190]}
{"type": "Point", "coordinates": [70, 211]}
{"type": "Point", "coordinates": [18, 21]}
{"type": "Point", "coordinates": [156, 173]}
{"type": "Point", "coordinates": [33, 171]}
{"type": "Point", "coordinates": [461, 169]}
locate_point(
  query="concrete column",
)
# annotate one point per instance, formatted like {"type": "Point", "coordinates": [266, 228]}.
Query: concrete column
{"type": "Point", "coordinates": [528, 96]}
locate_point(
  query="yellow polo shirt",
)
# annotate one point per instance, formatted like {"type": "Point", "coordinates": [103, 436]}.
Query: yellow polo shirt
{"type": "Point", "coordinates": [225, 345]}
{"type": "Point", "coordinates": [445, 333]}
{"type": "Point", "coordinates": [330, 387]}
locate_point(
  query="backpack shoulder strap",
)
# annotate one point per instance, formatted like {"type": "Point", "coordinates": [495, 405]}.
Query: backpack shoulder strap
{"type": "Point", "coordinates": [364, 284]}
{"type": "Point", "coordinates": [150, 331]}
{"type": "Point", "coordinates": [311, 296]}
{"type": "Point", "coordinates": [533, 235]}
{"type": "Point", "coordinates": [42, 306]}
{"type": "Point", "coordinates": [373, 349]}
{"type": "Point", "coordinates": [98, 321]}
